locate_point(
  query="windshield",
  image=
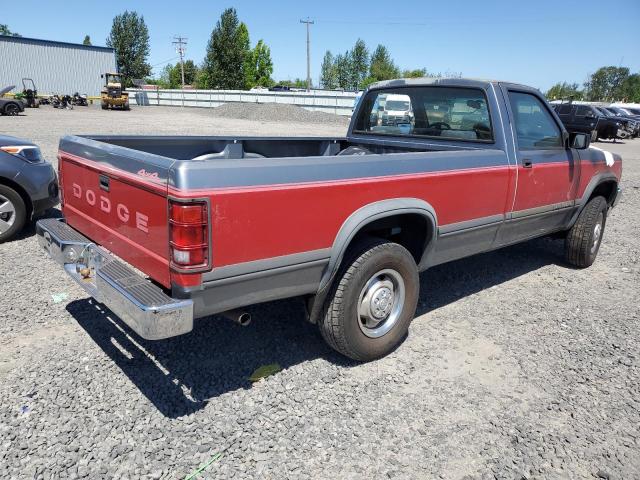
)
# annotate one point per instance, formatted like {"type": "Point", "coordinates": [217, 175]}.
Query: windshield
{"type": "Point", "coordinates": [397, 105]}
{"type": "Point", "coordinates": [603, 111]}
{"type": "Point", "coordinates": [113, 78]}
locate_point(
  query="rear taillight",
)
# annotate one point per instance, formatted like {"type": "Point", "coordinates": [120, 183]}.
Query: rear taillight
{"type": "Point", "coordinates": [189, 235]}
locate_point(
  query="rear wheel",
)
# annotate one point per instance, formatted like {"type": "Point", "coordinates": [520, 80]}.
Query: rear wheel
{"type": "Point", "coordinates": [13, 213]}
{"type": "Point", "coordinates": [373, 301]}
{"type": "Point", "coordinates": [594, 136]}
{"type": "Point", "coordinates": [584, 238]}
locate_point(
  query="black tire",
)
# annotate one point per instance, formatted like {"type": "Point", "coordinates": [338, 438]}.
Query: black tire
{"type": "Point", "coordinates": [11, 109]}
{"type": "Point", "coordinates": [104, 107]}
{"type": "Point", "coordinates": [584, 238]}
{"type": "Point", "coordinates": [341, 325]}
{"type": "Point", "coordinates": [594, 135]}
{"type": "Point", "coordinates": [17, 218]}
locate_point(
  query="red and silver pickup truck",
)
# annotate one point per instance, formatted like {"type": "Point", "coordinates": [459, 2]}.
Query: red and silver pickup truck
{"type": "Point", "coordinates": [164, 230]}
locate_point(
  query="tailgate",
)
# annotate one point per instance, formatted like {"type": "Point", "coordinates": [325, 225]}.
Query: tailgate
{"type": "Point", "coordinates": [117, 197]}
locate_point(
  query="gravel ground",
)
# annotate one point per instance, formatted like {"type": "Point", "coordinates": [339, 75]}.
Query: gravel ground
{"type": "Point", "coordinates": [515, 367]}
{"type": "Point", "coordinates": [276, 112]}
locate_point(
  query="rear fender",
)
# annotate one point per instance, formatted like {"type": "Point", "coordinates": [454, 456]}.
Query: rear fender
{"type": "Point", "coordinates": [361, 218]}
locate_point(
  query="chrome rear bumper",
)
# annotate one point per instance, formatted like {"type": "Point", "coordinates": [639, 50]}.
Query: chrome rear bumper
{"type": "Point", "coordinates": [139, 303]}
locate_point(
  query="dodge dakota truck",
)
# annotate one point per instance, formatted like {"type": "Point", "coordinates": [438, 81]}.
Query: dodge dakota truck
{"type": "Point", "coordinates": [165, 230]}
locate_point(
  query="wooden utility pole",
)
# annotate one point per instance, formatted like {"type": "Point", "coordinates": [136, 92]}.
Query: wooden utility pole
{"type": "Point", "coordinates": [308, 22]}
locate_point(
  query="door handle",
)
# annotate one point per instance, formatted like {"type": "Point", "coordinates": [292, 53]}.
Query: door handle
{"type": "Point", "coordinates": [526, 163]}
{"type": "Point", "coordinates": [104, 182]}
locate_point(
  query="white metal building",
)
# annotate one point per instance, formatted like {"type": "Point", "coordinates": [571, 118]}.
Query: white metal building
{"type": "Point", "coordinates": [55, 67]}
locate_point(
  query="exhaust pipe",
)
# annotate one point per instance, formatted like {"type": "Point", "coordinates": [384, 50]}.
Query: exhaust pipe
{"type": "Point", "coordinates": [238, 316]}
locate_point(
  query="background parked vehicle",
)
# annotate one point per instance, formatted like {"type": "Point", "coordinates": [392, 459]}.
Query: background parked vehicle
{"type": "Point", "coordinates": [28, 185]}
{"type": "Point", "coordinates": [586, 119]}
{"type": "Point", "coordinates": [30, 93]}
{"type": "Point", "coordinates": [10, 106]}
{"type": "Point", "coordinates": [112, 94]}
{"type": "Point", "coordinates": [79, 100]}
{"type": "Point", "coordinates": [630, 125]}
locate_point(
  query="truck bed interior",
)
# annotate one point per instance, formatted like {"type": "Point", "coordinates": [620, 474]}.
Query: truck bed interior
{"type": "Point", "coordinates": [210, 148]}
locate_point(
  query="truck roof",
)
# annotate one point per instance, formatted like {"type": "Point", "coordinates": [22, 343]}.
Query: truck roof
{"type": "Point", "coordinates": [454, 82]}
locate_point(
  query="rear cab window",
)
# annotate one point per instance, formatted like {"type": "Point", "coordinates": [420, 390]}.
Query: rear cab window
{"type": "Point", "coordinates": [446, 113]}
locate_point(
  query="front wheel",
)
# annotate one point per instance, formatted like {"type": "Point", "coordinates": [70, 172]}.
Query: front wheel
{"type": "Point", "coordinates": [11, 109]}
{"type": "Point", "coordinates": [584, 238]}
{"type": "Point", "coordinates": [594, 135]}
{"type": "Point", "coordinates": [373, 301]}
{"type": "Point", "coordinates": [13, 213]}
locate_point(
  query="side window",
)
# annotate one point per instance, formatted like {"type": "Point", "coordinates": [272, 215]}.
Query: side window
{"type": "Point", "coordinates": [535, 127]}
{"type": "Point", "coordinates": [583, 110]}
{"type": "Point", "coordinates": [564, 109]}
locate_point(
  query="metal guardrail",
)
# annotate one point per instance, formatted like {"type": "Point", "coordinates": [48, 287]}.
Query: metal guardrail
{"type": "Point", "coordinates": [338, 103]}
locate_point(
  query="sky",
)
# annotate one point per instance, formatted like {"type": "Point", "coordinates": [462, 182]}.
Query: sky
{"type": "Point", "coordinates": [537, 43]}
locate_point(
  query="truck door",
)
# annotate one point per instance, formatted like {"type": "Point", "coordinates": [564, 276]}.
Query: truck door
{"type": "Point", "coordinates": [547, 171]}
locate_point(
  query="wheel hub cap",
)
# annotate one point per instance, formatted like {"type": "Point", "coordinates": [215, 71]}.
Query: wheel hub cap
{"type": "Point", "coordinates": [597, 232]}
{"type": "Point", "coordinates": [7, 214]}
{"type": "Point", "coordinates": [381, 303]}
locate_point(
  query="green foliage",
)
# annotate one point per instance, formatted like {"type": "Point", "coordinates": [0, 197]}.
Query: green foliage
{"type": "Point", "coordinates": [4, 30]}
{"type": "Point", "coordinates": [359, 63]}
{"type": "Point", "coordinates": [630, 89]}
{"type": "Point", "coordinates": [416, 73]}
{"type": "Point", "coordinates": [382, 66]}
{"type": "Point", "coordinates": [87, 40]}
{"type": "Point", "coordinates": [328, 73]}
{"type": "Point", "coordinates": [344, 76]}
{"type": "Point", "coordinates": [606, 84]}
{"type": "Point", "coordinates": [130, 38]}
{"type": "Point", "coordinates": [171, 76]}
{"type": "Point", "coordinates": [260, 66]}
{"type": "Point", "coordinates": [564, 91]}
{"type": "Point", "coordinates": [226, 53]}
{"type": "Point", "coordinates": [297, 83]}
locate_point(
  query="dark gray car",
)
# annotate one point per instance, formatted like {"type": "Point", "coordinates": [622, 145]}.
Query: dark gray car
{"type": "Point", "coordinates": [28, 184]}
{"type": "Point", "coordinates": [10, 106]}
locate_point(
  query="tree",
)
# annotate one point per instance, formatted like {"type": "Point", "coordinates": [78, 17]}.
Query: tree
{"type": "Point", "coordinates": [130, 38]}
{"type": "Point", "coordinates": [416, 73]}
{"type": "Point", "coordinates": [382, 66]}
{"type": "Point", "coordinates": [344, 77]}
{"type": "Point", "coordinates": [175, 74]}
{"type": "Point", "coordinates": [564, 91]}
{"type": "Point", "coordinates": [605, 84]}
{"type": "Point", "coordinates": [328, 74]}
{"type": "Point", "coordinates": [359, 63]}
{"type": "Point", "coordinates": [260, 66]}
{"type": "Point", "coordinates": [87, 40]}
{"type": "Point", "coordinates": [4, 30]}
{"type": "Point", "coordinates": [630, 89]}
{"type": "Point", "coordinates": [226, 52]}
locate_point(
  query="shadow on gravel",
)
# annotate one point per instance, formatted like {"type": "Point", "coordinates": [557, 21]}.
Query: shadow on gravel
{"type": "Point", "coordinates": [30, 228]}
{"type": "Point", "coordinates": [179, 375]}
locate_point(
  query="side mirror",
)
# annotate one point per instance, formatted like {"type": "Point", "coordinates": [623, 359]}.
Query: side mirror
{"type": "Point", "coordinates": [579, 141]}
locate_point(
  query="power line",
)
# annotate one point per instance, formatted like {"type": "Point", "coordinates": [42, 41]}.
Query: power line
{"type": "Point", "coordinates": [308, 22]}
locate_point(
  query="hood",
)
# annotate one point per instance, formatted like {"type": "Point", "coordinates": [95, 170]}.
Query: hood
{"type": "Point", "coordinates": [6, 89]}
{"type": "Point", "coordinates": [6, 140]}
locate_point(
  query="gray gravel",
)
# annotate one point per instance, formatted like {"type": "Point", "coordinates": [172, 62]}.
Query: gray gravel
{"type": "Point", "coordinates": [276, 112]}
{"type": "Point", "coordinates": [516, 367]}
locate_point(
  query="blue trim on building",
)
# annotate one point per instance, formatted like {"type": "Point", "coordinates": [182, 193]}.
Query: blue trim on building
{"type": "Point", "coordinates": [37, 41]}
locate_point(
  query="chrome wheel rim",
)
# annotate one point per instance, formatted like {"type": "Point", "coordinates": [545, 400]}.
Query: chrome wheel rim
{"type": "Point", "coordinates": [7, 214]}
{"type": "Point", "coordinates": [381, 303]}
{"type": "Point", "coordinates": [597, 233]}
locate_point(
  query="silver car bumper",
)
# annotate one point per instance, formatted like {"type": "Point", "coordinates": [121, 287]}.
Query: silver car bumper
{"type": "Point", "coordinates": [139, 303]}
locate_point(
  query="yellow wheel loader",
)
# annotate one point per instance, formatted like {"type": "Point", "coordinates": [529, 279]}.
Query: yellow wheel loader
{"type": "Point", "coordinates": [112, 93]}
